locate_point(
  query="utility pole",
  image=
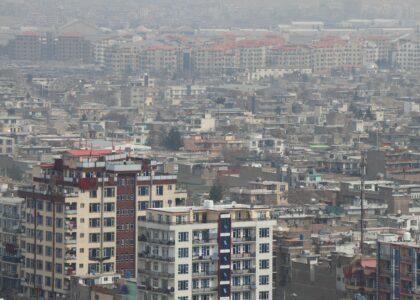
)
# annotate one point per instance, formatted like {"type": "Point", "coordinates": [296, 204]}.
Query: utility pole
{"type": "Point", "coordinates": [362, 198]}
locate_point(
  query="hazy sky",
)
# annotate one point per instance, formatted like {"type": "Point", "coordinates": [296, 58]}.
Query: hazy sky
{"type": "Point", "coordinates": [216, 13]}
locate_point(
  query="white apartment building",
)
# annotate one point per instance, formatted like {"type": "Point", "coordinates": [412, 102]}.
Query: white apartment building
{"type": "Point", "coordinates": [407, 55]}
{"type": "Point", "coordinates": [208, 252]}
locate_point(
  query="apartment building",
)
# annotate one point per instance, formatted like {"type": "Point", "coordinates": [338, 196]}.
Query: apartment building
{"type": "Point", "coordinates": [81, 216]}
{"type": "Point", "coordinates": [7, 145]}
{"type": "Point", "coordinates": [11, 216]}
{"type": "Point", "coordinates": [26, 46]}
{"type": "Point", "coordinates": [294, 57]}
{"type": "Point", "coordinates": [398, 265]}
{"type": "Point", "coordinates": [72, 46]}
{"type": "Point", "coordinates": [407, 54]}
{"type": "Point", "coordinates": [208, 252]}
{"type": "Point", "coordinates": [261, 192]}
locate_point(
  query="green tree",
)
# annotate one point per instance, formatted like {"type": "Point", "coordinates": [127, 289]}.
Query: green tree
{"type": "Point", "coordinates": [216, 192]}
{"type": "Point", "coordinates": [173, 140]}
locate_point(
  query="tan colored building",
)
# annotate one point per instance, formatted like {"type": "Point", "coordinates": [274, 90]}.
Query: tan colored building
{"type": "Point", "coordinates": [261, 192]}
{"type": "Point", "coordinates": [81, 216]}
{"type": "Point", "coordinates": [208, 252]}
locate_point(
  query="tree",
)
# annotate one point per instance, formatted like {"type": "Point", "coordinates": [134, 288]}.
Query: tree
{"type": "Point", "coordinates": [216, 192]}
{"type": "Point", "coordinates": [173, 140]}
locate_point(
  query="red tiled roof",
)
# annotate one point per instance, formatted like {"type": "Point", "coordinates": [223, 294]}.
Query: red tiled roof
{"type": "Point", "coordinates": [88, 152]}
{"type": "Point", "coordinates": [30, 33]}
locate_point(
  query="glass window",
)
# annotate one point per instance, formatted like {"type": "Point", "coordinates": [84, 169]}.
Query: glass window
{"type": "Point", "coordinates": [264, 248]}
{"type": "Point", "coordinates": [264, 295]}
{"type": "Point", "coordinates": [264, 279]}
{"type": "Point", "coordinates": [143, 190]}
{"type": "Point", "coordinates": [109, 192]}
{"type": "Point", "coordinates": [182, 285]}
{"type": "Point", "coordinates": [182, 236]}
{"type": "Point", "coordinates": [182, 252]}
{"type": "Point", "coordinates": [264, 264]}
{"type": "Point", "coordinates": [183, 269]}
{"type": "Point", "coordinates": [264, 232]}
{"type": "Point", "coordinates": [159, 190]}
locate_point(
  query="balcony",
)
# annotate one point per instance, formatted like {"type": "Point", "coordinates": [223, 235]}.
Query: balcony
{"type": "Point", "coordinates": [352, 287]}
{"type": "Point", "coordinates": [157, 273]}
{"type": "Point", "coordinates": [70, 240]}
{"type": "Point", "coordinates": [165, 291]}
{"type": "Point", "coordinates": [9, 274]}
{"type": "Point", "coordinates": [244, 239]}
{"type": "Point", "coordinates": [239, 288]}
{"type": "Point", "coordinates": [206, 290]}
{"type": "Point", "coordinates": [145, 255]}
{"type": "Point", "coordinates": [243, 255]}
{"type": "Point", "coordinates": [204, 274]}
{"type": "Point", "coordinates": [243, 271]}
{"type": "Point", "coordinates": [205, 241]}
{"type": "Point", "coordinates": [11, 259]}
{"type": "Point", "coordinates": [70, 211]}
{"type": "Point", "coordinates": [144, 238]}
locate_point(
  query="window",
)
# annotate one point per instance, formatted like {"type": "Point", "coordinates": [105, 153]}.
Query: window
{"type": "Point", "coordinates": [94, 207]}
{"type": "Point", "coordinates": [59, 222]}
{"type": "Point", "coordinates": [183, 269]}
{"type": "Point", "coordinates": [236, 233]}
{"type": "Point", "coordinates": [93, 253]}
{"type": "Point", "coordinates": [48, 236]}
{"type": "Point", "coordinates": [182, 285]}
{"type": "Point", "coordinates": [264, 279]}
{"type": "Point", "coordinates": [143, 190]}
{"type": "Point", "coordinates": [183, 237]}
{"type": "Point", "coordinates": [143, 205]}
{"type": "Point", "coordinates": [108, 222]}
{"type": "Point", "coordinates": [205, 283]}
{"type": "Point", "coordinates": [247, 280]}
{"type": "Point", "coordinates": [59, 268]}
{"type": "Point", "coordinates": [109, 192]}
{"type": "Point", "coordinates": [58, 253]}
{"type": "Point", "coordinates": [159, 190]}
{"type": "Point", "coordinates": [264, 248]}
{"type": "Point", "coordinates": [108, 252]}
{"type": "Point", "coordinates": [92, 194]}
{"type": "Point", "coordinates": [47, 281]}
{"type": "Point", "coordinates": [58, 283]}
{"type": "Point", "coordinates": [183, 298]}
{"type": "Point", "coordinates": [264, 264]}
{"type": "Point", "coordinates": [236, 296]}
{"type": "Point", "coordinates": [95, 222]}
{"type": "Point", "coordinates": [236, 281]}
{"type": "Point", "coordinates": [108, 237]}
{"type": "Point", "coordinates": [236, 265]}
{"type": "Point", "coordinates": [236, 249]}
{"type": "Point", "coordinates": [264, 295]}
{"type": "Point", "coordinates": [157, 204]}
{"type": "Point", "coordinates": [109, 206]}
{"type": "Point", "coordinates": [182, 252]}
{"type": "Point", "coordinates": [58, 237]}
{"type": "Point", "coordinates": [48, 221]}
{"type": "Point", "coordinates": [94, 237]}
{"type": "Point", "coordinates": [264, 232]}
{"type": "Point", "coordinates": [48, 266]}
